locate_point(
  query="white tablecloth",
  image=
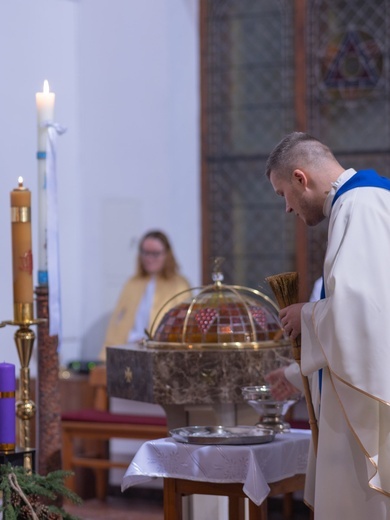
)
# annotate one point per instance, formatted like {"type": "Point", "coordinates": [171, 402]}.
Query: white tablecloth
{"type": "Point", "coordinates": [254, 465]}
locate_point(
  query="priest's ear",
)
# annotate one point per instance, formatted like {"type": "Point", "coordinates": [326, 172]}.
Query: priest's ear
{"type": "Point", "coordinates": [300, 177]}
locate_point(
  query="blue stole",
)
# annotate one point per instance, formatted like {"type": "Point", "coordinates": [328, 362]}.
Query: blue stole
{"type": "Point", "coordinates": [363, 178]}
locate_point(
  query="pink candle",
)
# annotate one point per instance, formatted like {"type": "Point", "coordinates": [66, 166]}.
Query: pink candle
{"type": "Point", "coordinates": [7, 407]}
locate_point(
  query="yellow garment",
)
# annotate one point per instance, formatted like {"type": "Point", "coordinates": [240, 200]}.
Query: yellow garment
{"type": "Point", "coordinates": [122, 319]}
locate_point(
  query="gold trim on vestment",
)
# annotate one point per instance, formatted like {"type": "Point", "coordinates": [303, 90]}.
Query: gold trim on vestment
{"type": "Point", "coordinates": [387, 403]}
{"type": "Point", "coordinates": [308, 505]}
{"type": "Point", "coordinates": [353, 431]}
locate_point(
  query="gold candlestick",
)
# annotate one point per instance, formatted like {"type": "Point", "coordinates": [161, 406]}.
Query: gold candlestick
{"type": "Point", "coordinates": [25, 408]}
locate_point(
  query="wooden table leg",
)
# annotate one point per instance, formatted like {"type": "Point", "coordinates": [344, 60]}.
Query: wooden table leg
{"type": "Point", "coordinates": [287, 506]}
{"type": "Point", "coordinates": [258, 512]}
{"type": "Point", "coordinates": [236, 508]}
{"type": "Point", "coordinates": [173, 507]}
{"type": "Point", "coordinates": [175, 489]}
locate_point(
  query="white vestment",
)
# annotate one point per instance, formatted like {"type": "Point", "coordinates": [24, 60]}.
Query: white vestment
{"type": "Point", "coordinates": [347, 334]}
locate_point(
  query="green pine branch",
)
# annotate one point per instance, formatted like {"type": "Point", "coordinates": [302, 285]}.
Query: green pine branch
{"type": "Point", "coordinates": [37, 490]}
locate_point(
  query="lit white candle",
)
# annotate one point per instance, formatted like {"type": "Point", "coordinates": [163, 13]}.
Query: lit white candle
{"type": "Point", "coordinates": [45, 112]}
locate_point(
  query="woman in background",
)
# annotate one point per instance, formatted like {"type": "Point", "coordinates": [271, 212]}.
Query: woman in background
{"type": "Point", "coordinates": [157, 280]}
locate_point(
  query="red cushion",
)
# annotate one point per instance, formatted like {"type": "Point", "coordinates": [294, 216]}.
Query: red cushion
{"type": "Point", "coordinates": [88, 415]}
{"type": "Point", "coordinates": [300, 424]}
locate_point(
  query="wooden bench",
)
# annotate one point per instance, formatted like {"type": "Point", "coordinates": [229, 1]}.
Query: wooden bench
{"type": "Point", "coordinates": [101, 425]}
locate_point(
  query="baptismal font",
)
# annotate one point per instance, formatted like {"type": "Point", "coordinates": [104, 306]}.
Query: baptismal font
{"type": "Point", "coordinates": [201, 352]}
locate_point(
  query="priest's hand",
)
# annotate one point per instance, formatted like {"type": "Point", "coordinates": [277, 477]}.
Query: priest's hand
{"type": "Point", "coordinates": [280, 386]}
{"type": "Point", "coordinates": [291, 319]}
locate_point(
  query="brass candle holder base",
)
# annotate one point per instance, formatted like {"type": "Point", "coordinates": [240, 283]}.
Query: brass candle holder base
{"type": "Point", "coordinates": [25, 408]}
{"type": "Point", "coordinates": [19, 457]}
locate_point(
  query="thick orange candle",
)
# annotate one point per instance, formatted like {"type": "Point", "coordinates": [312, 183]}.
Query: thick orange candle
{"type": "Point", "coordinates": [22, 264]}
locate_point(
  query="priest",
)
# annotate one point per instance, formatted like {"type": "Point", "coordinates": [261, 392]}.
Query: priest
{"type": "Point", "coordinates": [345, 336]}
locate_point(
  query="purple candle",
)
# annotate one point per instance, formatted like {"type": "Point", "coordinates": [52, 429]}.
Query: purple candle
{"type": "Point", "coordinates": [7, 407]}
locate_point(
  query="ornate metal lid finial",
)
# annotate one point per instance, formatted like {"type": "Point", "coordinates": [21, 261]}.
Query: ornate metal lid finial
{"type": "Point", "coordinates": [217, 275]}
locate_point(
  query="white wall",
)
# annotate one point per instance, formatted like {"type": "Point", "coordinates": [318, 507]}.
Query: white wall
{"type": "Point", "coordinates": [38, 41]}
{"type": "Point", "coordinates": [125, 74]}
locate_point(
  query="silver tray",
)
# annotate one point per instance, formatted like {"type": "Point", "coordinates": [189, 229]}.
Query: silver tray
{"type": "Point", "coordinates": [223, 434]}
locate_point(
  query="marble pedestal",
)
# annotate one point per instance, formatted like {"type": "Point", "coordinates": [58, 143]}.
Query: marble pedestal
{"type": "Point", "coordinates": [176, 379]}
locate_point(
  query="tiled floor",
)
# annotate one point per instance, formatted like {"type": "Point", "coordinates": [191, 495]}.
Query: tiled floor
{"type": "Point", "coordinates": [118, 509]}
{"type": "Point", "coordinates": [144, 507]}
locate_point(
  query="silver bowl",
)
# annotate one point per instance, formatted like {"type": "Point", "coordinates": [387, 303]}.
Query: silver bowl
{"type": "Point", "coordinates": [272, 412]}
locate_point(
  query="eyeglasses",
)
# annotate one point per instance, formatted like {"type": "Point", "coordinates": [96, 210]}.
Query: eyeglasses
{"type": "Point", "coordinates": [152, 254]}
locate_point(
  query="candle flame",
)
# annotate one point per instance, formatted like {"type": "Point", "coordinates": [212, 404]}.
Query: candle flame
{"type": "Point", "coordinates": [20, 182]}
{"type": "Point", "coordinates": [46, 89]}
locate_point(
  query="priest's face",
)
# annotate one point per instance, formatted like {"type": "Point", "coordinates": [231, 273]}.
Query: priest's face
{"type": "Point", "coordinates": [153, 255]}
{"type": "Point", "coordinates": [299, 197]}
